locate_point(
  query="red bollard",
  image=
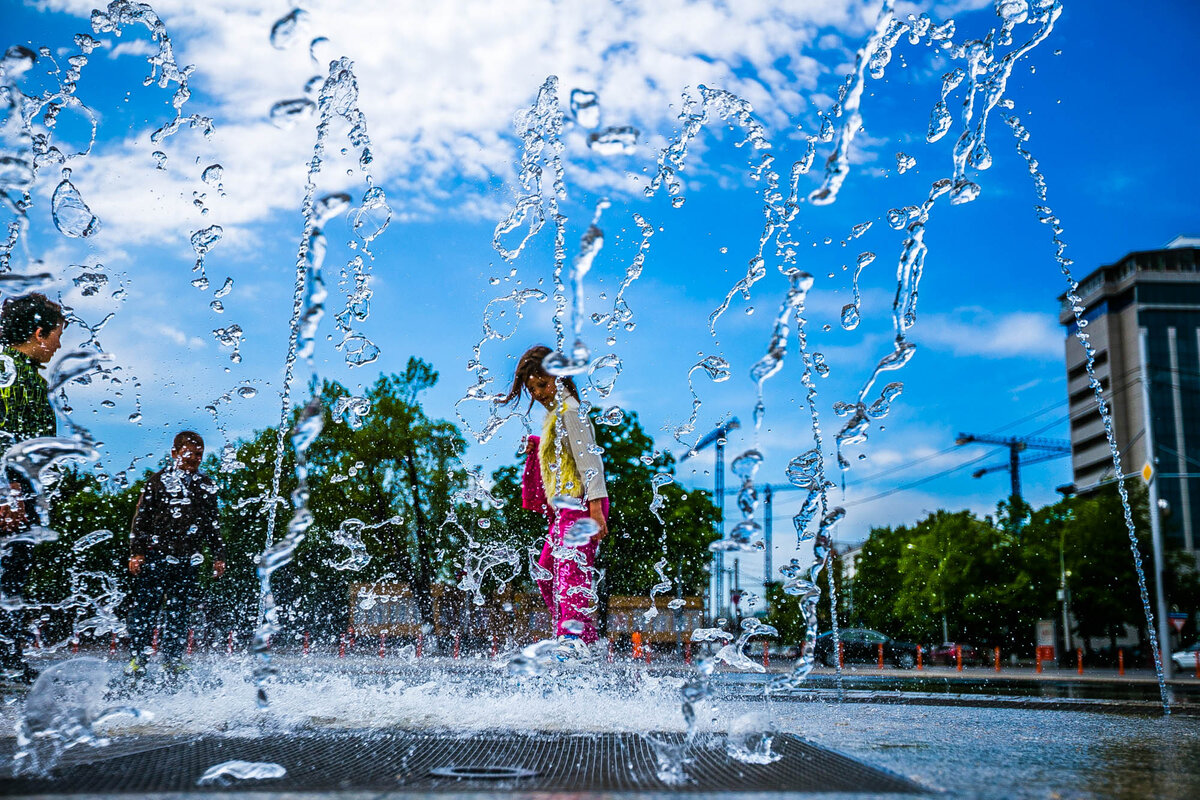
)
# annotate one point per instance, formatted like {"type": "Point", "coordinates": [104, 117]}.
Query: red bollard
{"type": "Point", "coordinates": [306, 643]}
{"type": "Point", "coordinates": [457, 642]}
{"type": "Point", "coordinates": [1121, 661]}
{"type": "Point", "coordinates": [766, 656]}
{"type": "Point", "coordinates": [997, 659]}
{"type": "Point", "coordinates": [841, 655]}
{"type": "Point", "coordinates": [495, 647]}
{"type": "Point", "coordinates": [74, 646]}
{"type": "Point", "coordinates": [880, 646]}
{"type": "Point", "coordinates": [382, 643]}
{"type": "Point", "coordinates": [1039, 659]}
{"type": "Point", "coordinates": [191, 640]}
{"type": "Point", "coordinates": [920, 664]}
{"type": "Point", "coordinates": [112, 646]}
{"type": "Point", "coordinates": [957, 656]}
{"type": "Point", "coordinates": [420, 643]}
{"type": "Point", "coordinates": [636, 641]}
{"type": "Point", "coordinates": [154, 641]}
{"type": "Point", "coordinates": [342, 646]}
{"type": "Point", "coordinates": [1079, 659]}
{"type": "Point", "coordinates": [229, 647]}
{"type": "Point", "coordinates": [687, 651]}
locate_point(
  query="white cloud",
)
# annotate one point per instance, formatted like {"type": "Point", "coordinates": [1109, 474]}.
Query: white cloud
{"type": "Point", "coordinates": [975, 331]}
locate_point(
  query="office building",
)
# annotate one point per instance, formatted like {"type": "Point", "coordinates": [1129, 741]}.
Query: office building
{"type": "Point", "coordinates": [1156, 292]}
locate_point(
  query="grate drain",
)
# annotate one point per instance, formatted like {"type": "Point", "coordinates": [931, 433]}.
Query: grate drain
{"type": "Point", "coordinates": [407, 761]}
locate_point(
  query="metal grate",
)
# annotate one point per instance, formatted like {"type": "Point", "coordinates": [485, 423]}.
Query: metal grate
{"type": "Point", "coordinates": [440, 762]}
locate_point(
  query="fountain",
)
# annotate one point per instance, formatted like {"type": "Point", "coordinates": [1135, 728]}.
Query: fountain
{"type": "Point", "coordinates": [283, 691]}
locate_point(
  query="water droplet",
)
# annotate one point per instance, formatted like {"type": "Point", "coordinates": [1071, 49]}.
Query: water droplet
{"type": "Point", "coordinates": [614, 140]}
{"type": "Point", "coordinates": [330, 206]}
{"type": "Point", "coordinates": [585, 108]}
{"type": "Point", "coordinates": [372, 217]}
{"type": "Point", "coordinates": [286, 113]}
{"type": "Point", "coordinates": [217, 306]}
{"type": "Point", "coordinates": [161, 158]}
{"type": "Point", "coordinates": [71, 214]}
{"type": "Point", "coordinates": [225, 289]}
{"type": "Point", "coordinates": [612, 416]}
{"type": "Point", "coordinates": [212, 174]}
{"type": "Point", "coordinates": [288, 27]}
{"type": "Point", "coordinates": [247, 392]}
{"type": "Point", "coordinates": [904, 162]}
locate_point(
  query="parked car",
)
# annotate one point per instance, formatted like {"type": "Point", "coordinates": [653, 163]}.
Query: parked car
{"type": "Point", "coordinates": [944, 654]}
{"type": "Point", "coordinates": [1185, 659]}
{"type": "Point", "coordinates": [861, 645]}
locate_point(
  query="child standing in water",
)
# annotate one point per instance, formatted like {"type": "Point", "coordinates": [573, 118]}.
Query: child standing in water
{"type": "Point", "coordinates": [564, 479]}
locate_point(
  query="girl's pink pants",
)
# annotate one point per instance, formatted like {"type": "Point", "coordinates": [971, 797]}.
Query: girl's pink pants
{"type": "Point", "coordinates": [566, 592]}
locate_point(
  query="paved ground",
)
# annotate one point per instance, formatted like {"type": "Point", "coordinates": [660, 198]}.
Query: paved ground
{"type": "Point", "coordinates": [1051, 748]}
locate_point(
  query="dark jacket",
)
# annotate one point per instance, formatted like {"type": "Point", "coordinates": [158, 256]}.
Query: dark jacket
{"type": "Point", "coordinates": [177, 516]}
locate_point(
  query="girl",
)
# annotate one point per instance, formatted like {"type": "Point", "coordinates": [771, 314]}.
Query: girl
{"type": "Point", "coordinates": [564, 479]}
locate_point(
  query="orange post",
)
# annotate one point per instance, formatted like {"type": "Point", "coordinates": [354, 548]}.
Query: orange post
{"type": "Point", "coordinates": [1121, 661]}
{"type": "Point", "coordinates": [342, 646]}
{"type": "Point", "coordinates": [957, 656]}
{"type": "Point", "coordinates": [997, 659]}
{"type": "Point", "coordinates": [457, 642]}
{"type": "Point", "coordinates": [636, 639]}
{"type": "Point", "coordinates": [880, 646]}
{"type": "Point", "coordinates": [766, 656]}
{"type": "Point", "coordinates": [1039, 659]}
{"type": "Point", "coordinates": [75, 645]}
{"type": "Point", "coordinates": [1079, 660]}
{"type": "Point", "coordinates": [191, 644]}
{"type": "Point", "coordinates": [920, 665]}
{"type": "Point", "coordinates": [382, 644]}
{"type": "Point", "coordinates": [841, 654]}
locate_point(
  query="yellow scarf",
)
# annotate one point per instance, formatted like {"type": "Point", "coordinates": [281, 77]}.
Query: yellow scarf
{"type": "Point", "coordinates": [557, 462]}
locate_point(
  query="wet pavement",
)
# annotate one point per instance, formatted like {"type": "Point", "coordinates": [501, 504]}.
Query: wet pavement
{"type": "Point", "coordinates": [1050, 736]}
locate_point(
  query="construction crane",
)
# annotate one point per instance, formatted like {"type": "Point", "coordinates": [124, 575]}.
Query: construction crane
{"type": "Point", "coordinates": [1054, 448]}
{"type": "Point", "coordinates": [717, 436]}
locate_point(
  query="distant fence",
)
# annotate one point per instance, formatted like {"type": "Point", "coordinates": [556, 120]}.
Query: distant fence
{"type": "Point", "coordinates": [391, 609]}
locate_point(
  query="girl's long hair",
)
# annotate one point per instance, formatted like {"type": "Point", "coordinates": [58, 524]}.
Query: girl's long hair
{"type": "Point", "coordinates": [529, 366]}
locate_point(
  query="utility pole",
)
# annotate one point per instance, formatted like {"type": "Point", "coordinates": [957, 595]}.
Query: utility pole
{"type": "Point", "coordinates": [717, 436]}
{"type": "Point", "coordinates": [768, 563]}
{"type": "Point", "coordinates": [1160, 602]}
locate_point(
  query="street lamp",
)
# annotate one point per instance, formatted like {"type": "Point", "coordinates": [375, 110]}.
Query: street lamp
{"type": "Point", "coordinates": [1064, 592]}
{"type": "Point", "coordinates": [941, 588]}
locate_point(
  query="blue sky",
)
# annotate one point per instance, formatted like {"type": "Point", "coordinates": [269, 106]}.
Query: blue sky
{"type": "Point", "coordinates": [1109, 99]}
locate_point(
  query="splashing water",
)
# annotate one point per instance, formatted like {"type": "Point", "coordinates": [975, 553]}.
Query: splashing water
{"type": "Point", "coordinates": [227, 773]}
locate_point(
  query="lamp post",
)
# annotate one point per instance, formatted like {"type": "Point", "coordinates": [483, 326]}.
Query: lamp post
{"type": "Point", "coordinates": [941, 588]}
{"type": "Point", "coordinates": [1064, 594]}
